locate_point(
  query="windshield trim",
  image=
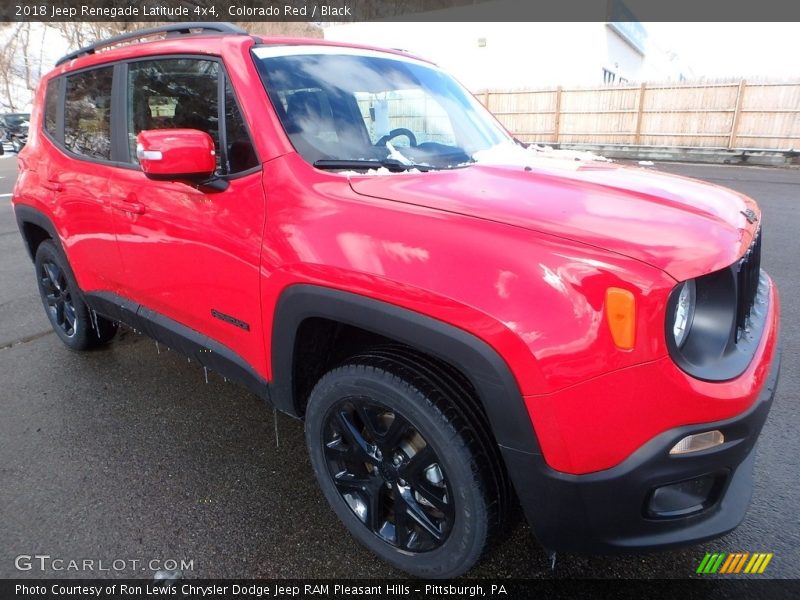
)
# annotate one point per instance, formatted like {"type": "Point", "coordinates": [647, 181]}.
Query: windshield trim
{"type": "Point", "coordinates": [263, 52]}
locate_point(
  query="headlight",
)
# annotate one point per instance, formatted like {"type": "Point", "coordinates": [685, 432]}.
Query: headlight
{"type": "Point", "coordinates": [700, 326]}
{"type": "Point", "coordinates": [684, 312]}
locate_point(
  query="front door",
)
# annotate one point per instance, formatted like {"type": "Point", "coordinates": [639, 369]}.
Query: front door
{"type": "Point", "coordinates": [189, 254]}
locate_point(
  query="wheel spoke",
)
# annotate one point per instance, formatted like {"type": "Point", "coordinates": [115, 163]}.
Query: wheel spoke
{"type": "Point", "coordinates": [69, 315]}
{"type": "Point", "coordinates": [417, 513]}
{"type": "Point", "coordinates": [348, 482]}
{"type": "Point", "coordinates": [391, 438]}
{"type": "Point", "coordinates": [401, 521]}
{"type": "Point", "coordinates": [367, 419]}
{"type": "Point", "coordinates": [375, 497]}
{"type": "Point", "coordinates": [47, 284]}
{"type": "Point", "coordinates": [51, 299]}
{"type": "Point", "coordinates": [337, 449]}
{"type": "Point", "coordinates": [60, 313]}
{"type": "Point", "coordinates": [53, 273]}
{"type": "Point", "coordinates": [361, 449]}
{"type": "Point", "coordinates": [433, 494]}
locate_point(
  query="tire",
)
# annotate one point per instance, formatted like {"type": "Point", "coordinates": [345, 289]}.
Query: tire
{"type": "Point", "coordinates": [63, 302]}
{"type": "Point", "coordinates": [401, 466]}
{"type": "Point", "coordinates": [16, 145]}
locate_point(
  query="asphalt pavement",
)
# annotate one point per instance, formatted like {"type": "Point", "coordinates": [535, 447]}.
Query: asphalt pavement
{"type": "Point", "coordinates": [127, 454]}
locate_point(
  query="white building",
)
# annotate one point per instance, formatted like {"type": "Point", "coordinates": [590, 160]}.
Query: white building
{"type": "Point", "coordinates": [524, 55]}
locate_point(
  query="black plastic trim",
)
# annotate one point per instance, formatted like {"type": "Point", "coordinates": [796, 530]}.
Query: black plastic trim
{"type": "Point", "coordinates": [120, 150]}
{"type": "Point", "coordinates": [27, 214]}
{"type": "Point", "coordinates": [606, 511]}
{"type": "Point", "coordinates": [486, 370]}
{"type": "Point", "coordinates": [193, 344]}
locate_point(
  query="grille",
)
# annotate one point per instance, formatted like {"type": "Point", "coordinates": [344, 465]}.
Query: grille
{"type": "Point", "coordinates": [747, 280]}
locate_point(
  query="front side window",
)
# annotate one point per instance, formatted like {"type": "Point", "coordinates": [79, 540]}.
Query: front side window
{"type": "Point", "coordinates": [173, 93]}
{"type": "Point", "coordinates": [87, 113]}
{"type": "Point", "coordinates": [341, 105]}
{"type": "Point", "coordinates": [182, 93]}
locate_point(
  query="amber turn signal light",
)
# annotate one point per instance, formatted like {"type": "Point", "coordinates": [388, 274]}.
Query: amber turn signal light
{"type": "Point", "coordinates": [621, 317]}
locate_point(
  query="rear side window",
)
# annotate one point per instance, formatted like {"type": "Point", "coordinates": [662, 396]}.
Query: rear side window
{"type": "Point", "coordinates": [87, 113]}
{"type": "Point", "coordinates": [51, 106]}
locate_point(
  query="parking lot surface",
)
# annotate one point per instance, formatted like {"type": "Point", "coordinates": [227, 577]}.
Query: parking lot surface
{"type": "Point", "coordinates": [128, 454]}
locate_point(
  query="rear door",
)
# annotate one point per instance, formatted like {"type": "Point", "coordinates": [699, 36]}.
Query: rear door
{"type": "Point", "coordinates": [189, 254]}
{"type": "Point", "coordinates": [79, 122]}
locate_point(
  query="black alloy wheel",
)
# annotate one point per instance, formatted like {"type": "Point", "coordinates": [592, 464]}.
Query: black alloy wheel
{"type": "Point", "coordinates": [58, 298]}
{"type": "Point", "coordinates": [388, 474]}
{"type": "Point", "coordinates": [73, 322]}
{"type": "Point", "coordinates": [402, 463]}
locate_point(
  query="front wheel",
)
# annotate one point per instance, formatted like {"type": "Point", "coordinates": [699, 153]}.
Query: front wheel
{"type": "Point", "coordinates": [400, 467]}
{"type": "Point", "coordinates": [69, 315]}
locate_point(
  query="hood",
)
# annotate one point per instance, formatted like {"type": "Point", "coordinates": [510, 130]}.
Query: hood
{"type": "Point", "coordinates": [682, 226]}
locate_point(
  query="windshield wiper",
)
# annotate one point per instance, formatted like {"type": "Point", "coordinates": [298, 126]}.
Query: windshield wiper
{"type": "Point", "coordinates": [357, 164]}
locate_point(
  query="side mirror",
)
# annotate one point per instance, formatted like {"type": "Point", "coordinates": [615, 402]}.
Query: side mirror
{"type": "Point", "coordinates": [176, 154]}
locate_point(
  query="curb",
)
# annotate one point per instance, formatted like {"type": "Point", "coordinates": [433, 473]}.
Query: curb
{"type": "Point", "coordinates": [721, 156]}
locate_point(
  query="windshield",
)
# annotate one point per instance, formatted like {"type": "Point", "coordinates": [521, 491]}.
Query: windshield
{"type": "Point", "coordinates": [344, 108]}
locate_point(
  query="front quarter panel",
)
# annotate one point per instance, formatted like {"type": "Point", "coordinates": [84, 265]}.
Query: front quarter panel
{"type": "Point", "coordinates": [537, 300]}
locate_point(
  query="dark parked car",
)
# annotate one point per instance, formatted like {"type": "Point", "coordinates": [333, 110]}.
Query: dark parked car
{"type": "Point", "coordinates": [14, 128]}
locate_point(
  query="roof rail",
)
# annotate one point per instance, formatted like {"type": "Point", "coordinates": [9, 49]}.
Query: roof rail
{"type": "Point", "coordinates": [172, 29]}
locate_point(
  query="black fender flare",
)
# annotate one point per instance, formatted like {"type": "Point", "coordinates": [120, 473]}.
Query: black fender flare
{"type": "Point", "coordinates": [28, 214]}
{"type": "Point", "coordinates": [497, 388]}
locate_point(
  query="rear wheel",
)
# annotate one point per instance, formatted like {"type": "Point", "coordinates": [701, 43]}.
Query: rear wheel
{"type": "Point", "coordinates": [400, 466]}
{"type": "Point", "coordinates": [63, 302]}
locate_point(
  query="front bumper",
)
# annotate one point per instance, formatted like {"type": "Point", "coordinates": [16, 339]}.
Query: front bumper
{"type": "Point", "coordinates": [607, 511]}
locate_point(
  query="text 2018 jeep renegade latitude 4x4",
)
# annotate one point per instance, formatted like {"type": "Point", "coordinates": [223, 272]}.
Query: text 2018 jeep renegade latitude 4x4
{"type": "Point", "coordinates": [462, 323]}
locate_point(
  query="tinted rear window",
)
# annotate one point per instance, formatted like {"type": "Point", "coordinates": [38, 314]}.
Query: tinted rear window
{"type": "Point", "coordinates": [87, 113]}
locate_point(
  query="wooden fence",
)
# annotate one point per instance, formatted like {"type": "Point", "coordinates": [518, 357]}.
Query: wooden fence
{"type": "Point", "coordinates": [721, 115]}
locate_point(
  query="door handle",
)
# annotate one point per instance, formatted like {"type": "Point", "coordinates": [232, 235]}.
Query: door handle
{"type": "Point", "coordinates": [130, 206]}
{"type": "Point", "coordinates": [53, 186]}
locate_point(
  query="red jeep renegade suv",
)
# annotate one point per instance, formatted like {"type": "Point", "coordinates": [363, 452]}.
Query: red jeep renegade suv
{"type": "Point", "coordinates": [463, 323]}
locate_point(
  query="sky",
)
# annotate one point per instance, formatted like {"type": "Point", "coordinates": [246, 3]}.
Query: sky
{"type": "Point", "coordinates": [732, 49]}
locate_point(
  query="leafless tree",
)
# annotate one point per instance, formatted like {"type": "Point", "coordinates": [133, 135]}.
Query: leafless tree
{"type": "Point", "coordinates": [23, 52]}
{"type": "Point", "coordinates": [20, 65]}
